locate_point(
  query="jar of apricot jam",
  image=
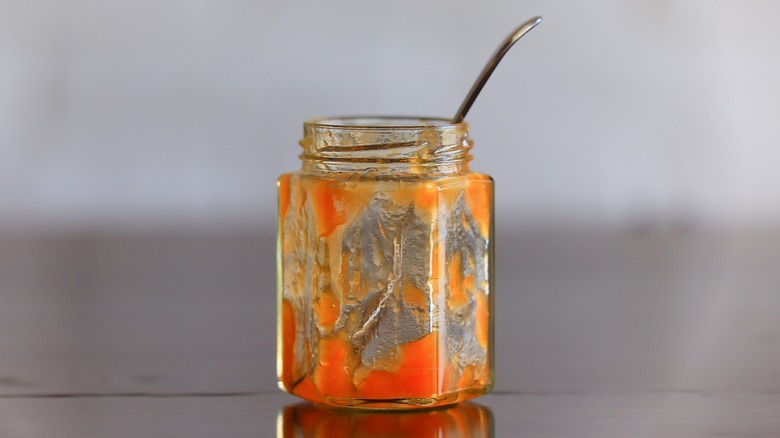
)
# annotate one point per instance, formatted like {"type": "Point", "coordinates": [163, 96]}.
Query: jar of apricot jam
{"type": "Point", "coordinates": [385, 266]}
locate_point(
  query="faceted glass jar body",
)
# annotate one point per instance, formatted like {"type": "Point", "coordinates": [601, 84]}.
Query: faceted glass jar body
{"type": "Point", "coordinates": [385, 257]}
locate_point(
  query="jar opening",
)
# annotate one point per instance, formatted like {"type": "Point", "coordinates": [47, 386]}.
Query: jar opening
{"type": "Point", "coordinates": [381, 122]}
{"type": "Point", "coordinates": [385, 144]}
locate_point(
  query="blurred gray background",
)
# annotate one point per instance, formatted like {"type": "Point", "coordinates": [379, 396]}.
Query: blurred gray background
{"type": "Point", "coordinates": [634, 144]}
{"type": "Point", "coordinates": [182, 113]}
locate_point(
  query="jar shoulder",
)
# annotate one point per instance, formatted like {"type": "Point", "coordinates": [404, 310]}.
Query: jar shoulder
{"type": "Point", "coordinates": [365, 179]}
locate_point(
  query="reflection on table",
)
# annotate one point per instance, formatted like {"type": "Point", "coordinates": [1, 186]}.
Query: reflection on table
{"type": "Point", "coordinates": [311, 421]}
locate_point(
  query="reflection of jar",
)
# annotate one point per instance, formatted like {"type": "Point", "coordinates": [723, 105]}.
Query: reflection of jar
{"type": "Point", "coordinates": [307, 420]}
{"type": "Point", "coordinates": [385, 266]}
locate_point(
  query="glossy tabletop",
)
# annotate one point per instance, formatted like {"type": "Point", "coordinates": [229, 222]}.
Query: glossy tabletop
{"type": "Point", "coordinates": [599, 333]}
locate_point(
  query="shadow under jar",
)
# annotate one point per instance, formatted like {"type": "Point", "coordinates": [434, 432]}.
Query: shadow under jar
{"type": "Point", "coordinates": [385, 265]}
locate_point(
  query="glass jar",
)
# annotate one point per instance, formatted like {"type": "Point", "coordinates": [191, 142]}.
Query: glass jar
{"type": "Point", "coordinates": [385, 266]}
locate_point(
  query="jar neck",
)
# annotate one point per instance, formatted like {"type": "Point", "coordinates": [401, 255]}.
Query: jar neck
{"type": "Point", "coordinates": [385, 146]}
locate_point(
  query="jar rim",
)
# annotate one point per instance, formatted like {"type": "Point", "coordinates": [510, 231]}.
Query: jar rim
{"type": "Point", "coordinates": [386, 145]}
{"type": "Point", "coordinates": [382, 122]}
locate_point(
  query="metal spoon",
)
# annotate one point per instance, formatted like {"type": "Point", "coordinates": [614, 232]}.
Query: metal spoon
{"type": "Point", "coordinates": [491, 65]}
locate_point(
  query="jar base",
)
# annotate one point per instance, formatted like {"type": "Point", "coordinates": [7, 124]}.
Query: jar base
{"type": "Point", "coordinates": [400, 404]}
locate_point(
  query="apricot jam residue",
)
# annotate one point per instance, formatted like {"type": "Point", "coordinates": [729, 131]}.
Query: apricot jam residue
{"type": "Point", "coordinates": [385, 289]}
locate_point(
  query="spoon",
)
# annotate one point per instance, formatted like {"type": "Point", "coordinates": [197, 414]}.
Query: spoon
{"type": "Point", "coordinates": [510, 40]}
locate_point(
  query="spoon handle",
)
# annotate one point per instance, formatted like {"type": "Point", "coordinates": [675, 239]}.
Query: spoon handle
{"type": "Point", "coordinates": [508, 42]}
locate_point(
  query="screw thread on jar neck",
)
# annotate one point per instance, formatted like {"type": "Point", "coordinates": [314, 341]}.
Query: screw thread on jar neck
{"type": "Point", "coordinates": [385, 146]}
